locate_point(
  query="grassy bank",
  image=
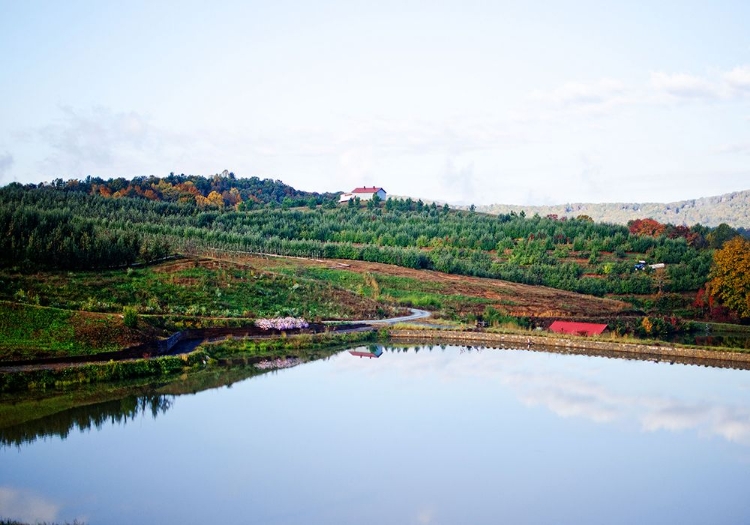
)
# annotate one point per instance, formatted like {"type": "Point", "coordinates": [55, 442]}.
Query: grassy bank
{"type": "Point", "coordinates": [61, 377]}
{"type": "Point", "coordinates": [297, 346]}
{"type": "Point", "coordinates": [301, 346]}
{"type": "Point", "coordinates": [195, 287]}
{"type": "Point", "coordinates": [30, 331]}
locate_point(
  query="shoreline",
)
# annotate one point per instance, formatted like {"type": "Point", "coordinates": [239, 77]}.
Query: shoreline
{"type": "Point", "coordinates": [700, 356]}
{"type": "Point", "coordinates": [582, 346]}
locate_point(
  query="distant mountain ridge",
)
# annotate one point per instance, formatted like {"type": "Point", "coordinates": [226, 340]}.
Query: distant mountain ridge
{"type": "Point", "coordinates": [730, 208]}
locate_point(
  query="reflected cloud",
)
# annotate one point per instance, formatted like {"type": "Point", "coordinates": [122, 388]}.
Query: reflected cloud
{"type": "Point", "coordinates": [674, 416]}
{"type": "Point", "coordinates": [425, 517]}
{"type": "Point", "coordinates": [568, 391]}
{"type": "Point", "coordinates": [573, 404]}
{"type": "Point", "coordinates": [26, 506]}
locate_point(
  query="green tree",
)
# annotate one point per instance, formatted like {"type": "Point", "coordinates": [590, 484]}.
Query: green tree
{"type": "Point", "coordinates": [721, 234]}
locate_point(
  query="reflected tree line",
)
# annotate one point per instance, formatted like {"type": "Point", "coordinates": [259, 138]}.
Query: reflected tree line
{"type": "Point", "coordinates": [86, 417]}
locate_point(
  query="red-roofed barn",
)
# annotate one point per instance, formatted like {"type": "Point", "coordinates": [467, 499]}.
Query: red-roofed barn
{"type": "Point", "coordinates": [364, 194]}
{"type": "Point", "coordinates": [566, 327]}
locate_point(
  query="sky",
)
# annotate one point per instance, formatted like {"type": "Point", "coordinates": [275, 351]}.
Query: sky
{"type": "Point", "coordinates": [525, 102]}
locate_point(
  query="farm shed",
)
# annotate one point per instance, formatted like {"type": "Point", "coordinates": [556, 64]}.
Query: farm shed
{"type": "Point", "coordinates": [587, 329]}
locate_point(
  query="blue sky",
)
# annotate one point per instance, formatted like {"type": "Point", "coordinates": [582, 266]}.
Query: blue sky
{"type": "Point", "coordinates": [483, 102]}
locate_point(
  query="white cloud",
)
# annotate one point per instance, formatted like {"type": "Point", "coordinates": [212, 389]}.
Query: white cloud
{"type": "Point", "coordinates": [719, 86]}
{"type": "Point", "coordinates": [459, 182]}
{"type": "Point", "coordinates": [26, 506]}
{"type": "Point", "coordinates": [739, 147]}
{"type": "Point", "coordinates": [604, 92]}
{"type": "Point", "coordinates": [357, 165]}
{"type": "Point", "coordinates": [575, 98]}
{"type": "Point", "coordinates": [6, 162]}
{"type": "Point", "coordinates": [738, 79]}
{"type": "Point", "coordinates": [681, 85]}
{"type": "Point", "coordinates": [99, 140]}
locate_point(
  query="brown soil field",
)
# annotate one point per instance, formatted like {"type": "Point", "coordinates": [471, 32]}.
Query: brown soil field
{"type": "Point", "coordinates": [516, 299]}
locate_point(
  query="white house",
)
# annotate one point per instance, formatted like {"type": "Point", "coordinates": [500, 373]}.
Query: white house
{"type": "Point", "coordinates": [364, 194]}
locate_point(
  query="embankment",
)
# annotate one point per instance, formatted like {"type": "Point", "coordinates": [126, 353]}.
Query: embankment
{"type": "Point", "coordinates": [581, 345]}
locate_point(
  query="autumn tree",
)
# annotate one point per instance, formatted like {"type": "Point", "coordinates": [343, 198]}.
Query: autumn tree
{"type": "Point", "coordinates": [647, 227]}
{"type": "Point", "coordinates": [730, 276]}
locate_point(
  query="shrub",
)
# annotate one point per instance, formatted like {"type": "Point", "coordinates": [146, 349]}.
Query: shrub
{"type": "Point", "coordinates": [130, 316]}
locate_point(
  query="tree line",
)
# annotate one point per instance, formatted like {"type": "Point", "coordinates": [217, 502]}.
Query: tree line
{"type": "Point", "coordinates": [75, 225]}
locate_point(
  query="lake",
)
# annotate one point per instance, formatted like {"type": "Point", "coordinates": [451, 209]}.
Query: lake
{"type": "Point", "coordinates": [440, 435]}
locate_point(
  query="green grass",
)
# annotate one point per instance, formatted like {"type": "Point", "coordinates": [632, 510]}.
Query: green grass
{"type": "Point", "coordinates": [46, 379]}
{"type": "Point", "coordinates": [403, 291]}
{"type": "Point", "coordinates": [23, 326]}
{"type": "Point", "coordinates": [30, 331]}
{"type": "Point", "coordinates": [215, 290]}
{"type": "Point", "coordinates": [303, 346]}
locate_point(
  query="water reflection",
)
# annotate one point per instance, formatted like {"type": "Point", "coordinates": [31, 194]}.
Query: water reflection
{"type": "Point", "coordinates": [87, 407]}
{"type": "Point", "coordinates": [27, 506]}
{"type": "Point", "coordinates": [118, 404]}
{"type": "Point", "coordinates": [370, 352]}
{"type": "Point", "coordinates": [82, 418]}
{"type": "Point", "coordinates": [599, 400]}
{"type": "Point", "coordinates": [453, 434]}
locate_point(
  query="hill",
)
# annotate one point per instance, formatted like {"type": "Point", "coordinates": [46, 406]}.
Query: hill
{"type": "Point", "coordinates": [731, 208]}
{"type": "Point", "coordinates": [213, 192]}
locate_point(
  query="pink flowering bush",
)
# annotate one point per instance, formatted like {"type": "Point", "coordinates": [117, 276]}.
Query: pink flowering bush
{"type": "Point", "coordinates": [281, 323]}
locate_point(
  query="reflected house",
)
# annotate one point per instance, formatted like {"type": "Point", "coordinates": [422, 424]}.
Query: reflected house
{"type": "Point", "coordinates": [585, 329]}
{"type": "Point", "coordinates": [372, 352]}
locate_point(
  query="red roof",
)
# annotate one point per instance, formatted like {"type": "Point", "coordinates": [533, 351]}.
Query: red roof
{"type": "Point", "coordinates": [566, 327]}
{"type": "Point", "coordinates": [366, 190]}
{"type": "Point", "coordinates": [363, 354]}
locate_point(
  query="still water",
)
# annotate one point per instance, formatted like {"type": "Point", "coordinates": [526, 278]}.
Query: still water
{"type": "Point", "coordinates": [417, 436]}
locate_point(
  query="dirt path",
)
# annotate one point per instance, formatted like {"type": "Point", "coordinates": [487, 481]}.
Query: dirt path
{"type": "Point", "coordinates": [415, 314]}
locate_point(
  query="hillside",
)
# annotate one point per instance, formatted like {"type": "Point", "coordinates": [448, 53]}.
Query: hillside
{"type": "Point", "coordinates": [730, 208]}
{"type": "Point", "coordinates": [211, 192]}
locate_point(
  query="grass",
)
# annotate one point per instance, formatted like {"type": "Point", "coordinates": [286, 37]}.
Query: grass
{"type": "Point", "coordinates": [46, 328]}
{"type": "Point", "coordinates": [402, 291]}
{"type": "Point", "coordinates": [30, 331]}
{"type": "Point", "coordinates": [196, 288]}
{"type": "Point", "coordinates": [203, 292]}
{"type": "Point", "coordinates": [51, 314]}
{"type": "Point", "coordinates": [296, 346]}
{"type": "Point", "coordinates": [44, 379]}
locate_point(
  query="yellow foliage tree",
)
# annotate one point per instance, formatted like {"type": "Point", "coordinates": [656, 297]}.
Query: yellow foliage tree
{"type": "Point", "coordinates": [730, 276]}
{"type": "Point", "coordinates": [215, 199]}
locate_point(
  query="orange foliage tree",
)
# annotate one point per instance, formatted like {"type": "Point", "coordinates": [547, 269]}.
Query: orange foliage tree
{"type": "Point", "coordinates": [730, 276]}
{"type": "Point", "coordinates": [647, 227]}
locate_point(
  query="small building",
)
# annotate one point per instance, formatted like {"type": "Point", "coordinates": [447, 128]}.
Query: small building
{"type": "Point", "coordinates": [364, 194]}
{"type": "Point", "coordinates": [586, 329]}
